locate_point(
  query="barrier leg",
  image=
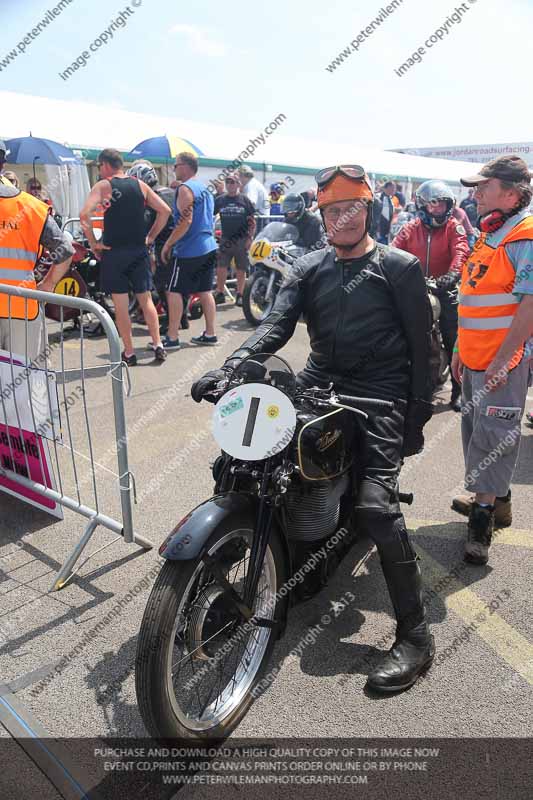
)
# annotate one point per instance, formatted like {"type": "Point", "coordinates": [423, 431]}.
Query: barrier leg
{"type": "Point", "coordinates": [146, 544]}
{"type": "Point", "coordinates": [66, 570]}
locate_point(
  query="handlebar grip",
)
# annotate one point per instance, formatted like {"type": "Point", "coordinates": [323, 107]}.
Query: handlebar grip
{"type": "Point", "coordinates": [369, 402]}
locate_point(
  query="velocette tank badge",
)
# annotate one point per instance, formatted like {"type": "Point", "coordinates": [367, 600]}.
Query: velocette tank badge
{"type": "Point", "coordinates": [327, 439]}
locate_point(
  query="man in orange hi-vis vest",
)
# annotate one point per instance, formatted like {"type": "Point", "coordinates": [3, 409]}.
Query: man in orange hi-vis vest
{"type": "Point", "coordinates": [493, 354]}
{"type": "Point", "coordinates": [26, 228]}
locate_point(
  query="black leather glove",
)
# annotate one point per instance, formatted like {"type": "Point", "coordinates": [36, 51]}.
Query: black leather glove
{"type": "Point", "coordinates": [448, 281]}
{"type": "Point", "coordinates": [207, 383]}
{"type": "Point", "coordinates": [417, 414]}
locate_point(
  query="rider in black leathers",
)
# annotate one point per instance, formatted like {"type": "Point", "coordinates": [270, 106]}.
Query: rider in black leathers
{"type": "Point", "coordinates": [369, 322]}
{"type": "Point", "coordinates": [311, 234]}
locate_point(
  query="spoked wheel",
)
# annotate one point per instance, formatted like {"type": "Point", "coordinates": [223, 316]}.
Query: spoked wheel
{"type": "Point", "coordinates": [197, 659]}
{"type": "Point", "coordinates": [255, 306]}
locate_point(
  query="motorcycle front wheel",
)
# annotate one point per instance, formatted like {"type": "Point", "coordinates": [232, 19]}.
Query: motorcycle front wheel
{"type": "Point", "coordinates": [255, 306]}
{"type": "Point", "coordinates": [197, 661]}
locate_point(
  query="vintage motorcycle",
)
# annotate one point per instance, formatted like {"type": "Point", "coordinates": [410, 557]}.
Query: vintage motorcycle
{"type": "Point", "coordinates": [272, 253]}
{"type": "Point", "coordinates": [285, 487]}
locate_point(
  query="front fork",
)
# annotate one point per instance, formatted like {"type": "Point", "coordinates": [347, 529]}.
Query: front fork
{"type": "Point", "coordinates": [263, 523]}
{"type": "Point", "coordinates": [260, 538]}
{"type": "Point", "coordinates": [271, 279]}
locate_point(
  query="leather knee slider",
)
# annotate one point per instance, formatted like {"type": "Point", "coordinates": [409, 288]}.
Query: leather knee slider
{"type": "Point", "coordinates": [376, 500]}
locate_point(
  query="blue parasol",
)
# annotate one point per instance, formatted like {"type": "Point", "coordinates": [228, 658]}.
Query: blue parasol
{"type": "Point", "coordinates": [28, 149]}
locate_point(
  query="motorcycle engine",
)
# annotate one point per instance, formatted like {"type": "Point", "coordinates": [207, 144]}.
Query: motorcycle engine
{"type": "Point", "coordinates": [313, 511]}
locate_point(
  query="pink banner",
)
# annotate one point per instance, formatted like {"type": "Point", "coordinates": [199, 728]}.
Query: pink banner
{"type": "Point", "coordinates": [20, 450]}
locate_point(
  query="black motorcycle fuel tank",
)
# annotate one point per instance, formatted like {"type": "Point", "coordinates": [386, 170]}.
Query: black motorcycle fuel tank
{"type": "Point", "coordinates": [324, 444]}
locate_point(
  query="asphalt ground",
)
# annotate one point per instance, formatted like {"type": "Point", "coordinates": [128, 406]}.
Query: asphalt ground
{"type": "Point", "coordinates": [480, 687]}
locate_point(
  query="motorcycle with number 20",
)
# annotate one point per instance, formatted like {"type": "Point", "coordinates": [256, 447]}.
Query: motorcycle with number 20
{"type": "Point", "coordinates": [285, 489]}
{"type": "Point", "coordinates": [272, 253]}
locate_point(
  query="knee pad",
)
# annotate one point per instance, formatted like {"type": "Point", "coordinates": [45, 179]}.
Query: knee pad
{"type": "Point", "coordinates": [380, 518]}
{"type": "Point", "coordinates": [375, 500]}
{"type": "Point", "coordinates": [393, 543]}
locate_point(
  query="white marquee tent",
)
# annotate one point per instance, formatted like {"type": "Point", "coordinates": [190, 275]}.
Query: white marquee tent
{"type": "Point", "coordinates": [87, 125]}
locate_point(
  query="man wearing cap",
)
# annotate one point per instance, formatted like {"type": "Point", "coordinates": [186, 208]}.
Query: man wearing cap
{"type": "Point", "coordinates": [237, 222]}
{"type": "Point", "coordinates": [254, 190]}
{"type": "Point", "coordinates": [369, 322]}
{"type": "Point", "coordinates": [494, 347]}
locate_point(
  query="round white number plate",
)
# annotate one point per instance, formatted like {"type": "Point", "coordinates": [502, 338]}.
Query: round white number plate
{"type": "Point", "coordinates": [254, 421]}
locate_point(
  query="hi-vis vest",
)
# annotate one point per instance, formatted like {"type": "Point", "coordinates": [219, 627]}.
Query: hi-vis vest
{"type": "Point", "coordinates": [22, 220]}
{"type": "Point", "coordinates": [486, 303]}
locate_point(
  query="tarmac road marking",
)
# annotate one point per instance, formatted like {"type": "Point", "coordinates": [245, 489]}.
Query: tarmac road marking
{"type": "Point", "coordinates": [510, 536]}
{"type": "Point", "coordinates": [506, 642]}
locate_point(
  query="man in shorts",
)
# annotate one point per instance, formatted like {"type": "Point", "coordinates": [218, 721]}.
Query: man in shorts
{"type": "Point", "coordinates": [123, 250]}
{"type": "Point", "coordinates": [194, 248]}
{"type": "Point", "coordinates": [237, 220]}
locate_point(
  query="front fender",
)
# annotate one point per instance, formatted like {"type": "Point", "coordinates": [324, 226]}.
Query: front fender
{"type": "Point", "coordinates": [192, 532]}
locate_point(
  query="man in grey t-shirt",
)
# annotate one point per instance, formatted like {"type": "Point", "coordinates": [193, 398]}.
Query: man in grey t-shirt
{"type": "Point", "coordinates": [254, 190]}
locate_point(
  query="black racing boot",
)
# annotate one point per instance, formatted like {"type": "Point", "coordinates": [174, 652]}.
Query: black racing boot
{"type": "Point", "coordinates": [455, 400]}
{"type": "Point", "coordinates": [414, 647]}
{"type": "Point", "coordinates": [480, 530]}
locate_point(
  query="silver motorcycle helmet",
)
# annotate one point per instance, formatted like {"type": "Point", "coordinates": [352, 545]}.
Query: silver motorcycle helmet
{"type": "Point", "coordinates": [145, 173]}
{"type": "Point", "coordinates": [427, 196]}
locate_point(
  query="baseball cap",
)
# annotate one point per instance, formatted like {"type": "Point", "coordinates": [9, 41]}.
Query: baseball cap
{"type": "Point", "coordinates": [244, 169]}
{"type": "Point", "coordinates": [232, 176]}
{"type": "Point", "coordinates": [506, 168]}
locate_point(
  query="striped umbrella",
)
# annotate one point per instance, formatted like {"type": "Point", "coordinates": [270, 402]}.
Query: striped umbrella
{"type": "Point", "coordinates": [163, 147]}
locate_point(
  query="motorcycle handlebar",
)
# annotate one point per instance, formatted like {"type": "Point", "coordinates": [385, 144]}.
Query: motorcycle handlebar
{"type": "Point", "coordinates": [369, 402]}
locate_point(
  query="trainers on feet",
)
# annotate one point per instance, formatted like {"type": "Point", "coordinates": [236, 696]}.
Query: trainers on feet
{"type": "Point", "coordinates": [238, 300]}
{"type": "Point", "coordinates": [171, 344]}
{"type": "Point", "coordinates": [131, 361]}
{"type": "Point", "coordinates": [160, 354]}
{"type": "Point", "coordinates": [204, 339]}
{"type": "Point", "coordinates": [220, 298]}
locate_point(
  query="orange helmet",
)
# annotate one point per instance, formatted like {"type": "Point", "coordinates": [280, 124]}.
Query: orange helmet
{"type": "Point", "coordinates": [349, 182]}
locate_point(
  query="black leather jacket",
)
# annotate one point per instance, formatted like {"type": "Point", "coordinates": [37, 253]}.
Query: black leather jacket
{"type": "Point", "coordinates": [311, 230]}
{"type": "Point", "coordinates": [369, 323]}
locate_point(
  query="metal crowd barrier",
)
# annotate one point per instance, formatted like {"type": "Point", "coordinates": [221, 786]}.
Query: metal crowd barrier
{"type": "Point", "coordinates": [262, 220]}
{"type": "Point", "coordinates": [41, 456]}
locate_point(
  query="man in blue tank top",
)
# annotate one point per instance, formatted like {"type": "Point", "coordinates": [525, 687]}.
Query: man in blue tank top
{"type": "Point", "coordinates": [194, 250]}
{"type": "Point", "coordinates": [123, 247]}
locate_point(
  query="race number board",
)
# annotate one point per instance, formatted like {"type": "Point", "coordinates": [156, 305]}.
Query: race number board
{"type": "Point", "coordinates": [68, 286]}
{"type": "Point", "coordinates": [254, 421]}
{"type": "Point", "coordinates": [25, 448]}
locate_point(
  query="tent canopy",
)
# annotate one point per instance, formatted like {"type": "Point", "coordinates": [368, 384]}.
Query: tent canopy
{"type": "Point", "coordinates": [93, 126]}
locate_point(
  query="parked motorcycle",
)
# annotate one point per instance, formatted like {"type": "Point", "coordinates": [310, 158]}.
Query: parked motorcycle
{"type": "Point", "coordinates": [440, 368]}
{"type": "Point", "coordinates": [272, 254]}
{"type": "Point", "coordinates": [285, 488]}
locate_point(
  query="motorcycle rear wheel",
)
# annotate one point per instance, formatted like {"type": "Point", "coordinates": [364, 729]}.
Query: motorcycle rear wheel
{"type": "Point", "coordinates": [194, 679]}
